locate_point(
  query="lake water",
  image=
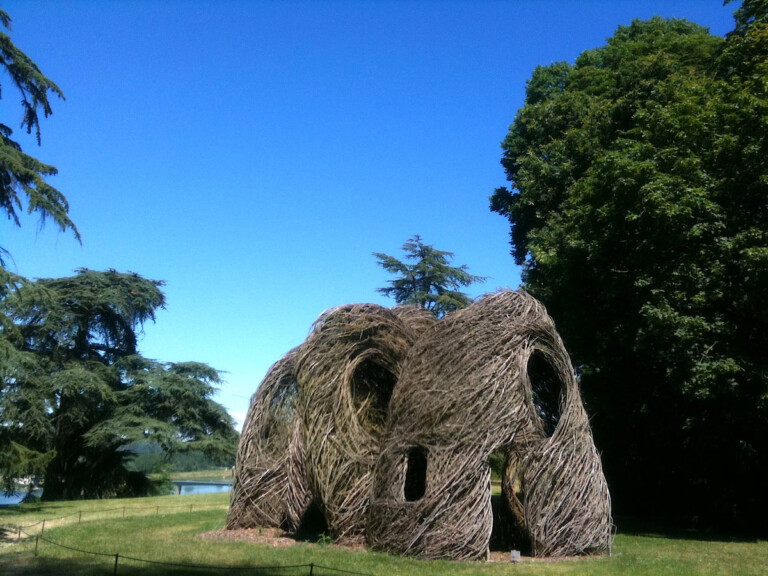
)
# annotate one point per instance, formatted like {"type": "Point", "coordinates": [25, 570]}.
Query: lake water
{"type": "Point", "coordinates": [184, 488]}
{"type": "Point", "coordinates": [15, 497]}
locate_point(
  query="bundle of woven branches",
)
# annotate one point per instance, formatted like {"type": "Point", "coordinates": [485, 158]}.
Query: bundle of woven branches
{"type": "Point", "coordinates": [346, 371]}
{"type": "Point", "coordinates": [416, 319]}
{"type": "Point", "coordinates": [426, 403]}
{"type": "Point", "coordinates": [492, 377]}
{"type": "Point", "coordinates": [270, 487]}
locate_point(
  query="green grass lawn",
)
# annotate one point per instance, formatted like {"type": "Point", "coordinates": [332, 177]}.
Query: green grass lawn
{"type": "Point", "coordinates": [164, 529]}
{"type": "Point", "coordinates": [212, 475]}
{"type": "Point", "coordinates": [215, 475]}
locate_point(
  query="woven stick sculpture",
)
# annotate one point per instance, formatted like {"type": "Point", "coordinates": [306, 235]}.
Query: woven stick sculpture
{"type": "Point", "coordinates": [270, 487]}
{"type": "Point", "coordinates": [466, 392]}
{"type": "Point", "coordinates": [346, 372]}
{"type": "Point", "coordinates": [394, 417]}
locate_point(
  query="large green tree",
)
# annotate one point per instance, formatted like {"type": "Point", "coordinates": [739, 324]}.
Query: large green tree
{"type": "Point", "coordinates": [23, 187]}
{"type": "Point", "coordinates": [429, 281]}
{"type": "Point", "coordinates": [639, 211]}
{"type": "Point", "coordinates": [22, 177]}
{"type": "Point", "coordinates": [75, 393]}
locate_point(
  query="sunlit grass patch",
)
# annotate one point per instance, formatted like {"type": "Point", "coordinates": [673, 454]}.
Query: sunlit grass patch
{"type": "Point", "coordinates": [175, 537]}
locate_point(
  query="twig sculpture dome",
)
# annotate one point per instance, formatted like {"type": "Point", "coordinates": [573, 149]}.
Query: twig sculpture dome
{"type": "Point", "coordinates": [312, 431]}
{"type": "Point", "coordinates": [494, 376]}
{"type": "Point", "coordinates": [386, 419]}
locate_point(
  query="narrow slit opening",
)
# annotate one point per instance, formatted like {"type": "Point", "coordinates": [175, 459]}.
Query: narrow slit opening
{"type": "Point", "coordinates": [415, 474]}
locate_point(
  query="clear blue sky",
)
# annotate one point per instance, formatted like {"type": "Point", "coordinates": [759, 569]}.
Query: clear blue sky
{"type": "Point", "coordinates": [254, 154]}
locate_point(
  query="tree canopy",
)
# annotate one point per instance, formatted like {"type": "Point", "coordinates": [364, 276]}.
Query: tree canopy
{"type": "Point", "coordinates": [20, 174]}
{"type": "Point", "coordinates": [429, 282]}
{"type": "Point", "coordinates": [75, 393]}
{"type": "Point", "coordinates": [638, 212]}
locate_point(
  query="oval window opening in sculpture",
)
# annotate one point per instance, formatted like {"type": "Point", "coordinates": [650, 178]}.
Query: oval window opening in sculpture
{"type": "Point", "coordinates": [278, 419]}
{"type": "Point", "coordinates": [546, 391]}
{"type": "Point", "coordinates": [415, 474]}
{"type": "Point", "coordinates": [372, 387]}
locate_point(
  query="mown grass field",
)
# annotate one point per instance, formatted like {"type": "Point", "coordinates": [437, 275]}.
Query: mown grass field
{"type": "Point", "coordinates": [211, 475]}
{"type": "Point", "coordinates": [166, 529]}
{"type": "Point", "coordinates": [216, 475]}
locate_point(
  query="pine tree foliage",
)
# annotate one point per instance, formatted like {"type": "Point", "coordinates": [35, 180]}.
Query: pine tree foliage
{"type": "Point", "coordinates": [23, 177]}
{"type": "Point", "coordinates": [429, 281]}
{"type": "Point", "coordinates": [638, 209]}
{"type": "Point", "coordinates": [75, 393]}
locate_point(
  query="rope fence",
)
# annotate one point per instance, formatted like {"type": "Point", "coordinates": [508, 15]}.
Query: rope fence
{"type": "Point", "coordinates": [311, 569]}
{"type": "Point", "coordinates": [100, 514]}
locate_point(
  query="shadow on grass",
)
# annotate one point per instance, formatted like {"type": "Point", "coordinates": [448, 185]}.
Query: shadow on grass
{"type": "Point", "coordinates": [31, 508]}
{"type": "Point", "coordinates": [8, 535]}
{"type": "Point", "coordinates": [659, 529]}
{"type": "Point", "coordinates": [86, 567]}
